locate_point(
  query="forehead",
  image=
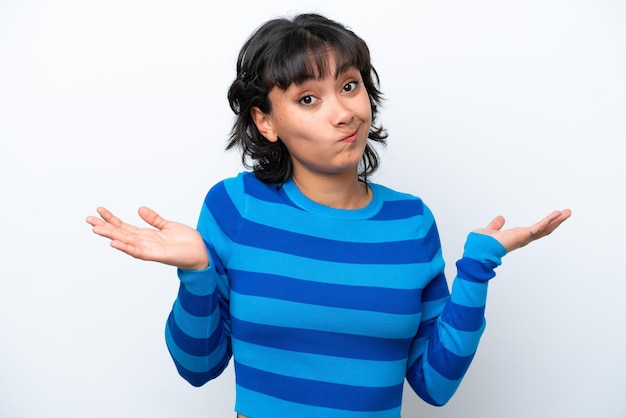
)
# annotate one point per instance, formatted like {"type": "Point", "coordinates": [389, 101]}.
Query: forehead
{"type": "Point", "coordinates": [309, 63]}
{"type": "Point", "coordinates": [323, 66]}
{"type": "Point", "coordinates": [330, 79]}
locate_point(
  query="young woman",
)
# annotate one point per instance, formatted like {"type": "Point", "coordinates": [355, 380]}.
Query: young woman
{"type": "Point", "coordinates": [326, 289]}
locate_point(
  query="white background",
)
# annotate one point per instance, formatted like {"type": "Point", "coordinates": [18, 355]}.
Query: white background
{"type": "Point", "coordinates": [493, 107]}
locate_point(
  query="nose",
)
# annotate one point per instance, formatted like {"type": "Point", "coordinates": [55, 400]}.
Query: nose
{"type": "Point", "coordinates": [342, 113]}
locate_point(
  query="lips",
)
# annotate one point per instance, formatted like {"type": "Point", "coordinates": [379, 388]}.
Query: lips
{"type": "Point", "coordinates": [351, 138]}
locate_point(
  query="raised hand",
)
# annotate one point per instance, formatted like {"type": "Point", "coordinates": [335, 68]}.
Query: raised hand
{"type": "Point", "coordinates": [168, 242]}
{"type": "Point", "coordinates": [515, 238]}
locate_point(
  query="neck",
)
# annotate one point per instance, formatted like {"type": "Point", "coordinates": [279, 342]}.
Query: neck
{"type": "Point", "coordinates": [337, 191]}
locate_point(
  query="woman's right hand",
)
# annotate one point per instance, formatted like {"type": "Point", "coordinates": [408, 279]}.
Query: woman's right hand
{"type": "Point", "coordinates": [169, 243]}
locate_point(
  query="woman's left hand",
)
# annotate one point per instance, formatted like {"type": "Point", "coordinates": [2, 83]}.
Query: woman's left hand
{"type": "Point", "coordinates": [515, 238]}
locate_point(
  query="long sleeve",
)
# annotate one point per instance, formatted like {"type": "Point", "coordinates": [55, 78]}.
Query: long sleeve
{"type": "Point", "coordinates": [452, 324]}
{"type": "Point", "coordinates": [197, 331]}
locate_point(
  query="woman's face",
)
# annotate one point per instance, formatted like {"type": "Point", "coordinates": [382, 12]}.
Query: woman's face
{"type": "Point", "coordinates": [324, 123]}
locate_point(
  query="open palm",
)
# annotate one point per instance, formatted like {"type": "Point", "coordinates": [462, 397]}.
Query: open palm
{"type": "Point", "coordinates": [518, 237]}
{"type": "Point", "coordinates": [167, 242]}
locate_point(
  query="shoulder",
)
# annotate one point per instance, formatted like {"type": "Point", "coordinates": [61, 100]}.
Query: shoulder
{"type": "Point", "coordinates": [234, 181]}
{"type": "Point", "coordinates": [238, 189]}
{"type": "Point", "coordinates": [387, 193]}
{"type": "Point", "coordinates": [399, 204]}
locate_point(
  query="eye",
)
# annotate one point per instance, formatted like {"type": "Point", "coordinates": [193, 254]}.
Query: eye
{"type": "Point", "coordinates": [351, 86]}
{"type": "Point", "coordinates": [307, 100]}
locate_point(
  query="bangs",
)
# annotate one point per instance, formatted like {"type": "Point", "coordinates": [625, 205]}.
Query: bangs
{"type": "Point", "coordinates": [308, 56]}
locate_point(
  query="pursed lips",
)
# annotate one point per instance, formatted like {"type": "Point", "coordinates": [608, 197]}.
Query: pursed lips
{"type": "Point", "coordinates": [352, 137]}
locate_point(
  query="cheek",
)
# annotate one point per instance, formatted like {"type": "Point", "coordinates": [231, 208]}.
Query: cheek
{"type": "Point", "coordinates": [366, 109]}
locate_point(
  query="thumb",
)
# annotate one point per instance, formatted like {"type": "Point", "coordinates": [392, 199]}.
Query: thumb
{"type": "Point", "coordinates": [497, 223]}
{"type": "Point", "coordinates": [151, 217]}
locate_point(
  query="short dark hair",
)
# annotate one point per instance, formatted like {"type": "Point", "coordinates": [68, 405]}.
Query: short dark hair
{"type": "Point", "coordinates": [282, 52]}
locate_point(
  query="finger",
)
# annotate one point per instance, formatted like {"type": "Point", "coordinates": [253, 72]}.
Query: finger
{"type": "Point", "coordinates": [538, 230]}
{"type": "Point", "coordinates": [109, 217]}
{"type": "Point", "coordinates": [565, 214]}
{"type": "Point", "coordinates": [110, 226]}
{"type": "Point", "coordinates": [152, 217]}
{"type": "Point", "coordinates": [131, 250]}
{"type": "Point", "coordinates": [94, 221]}
{"type": "Point", "coordinates": [548, 224]}
{"type": "Point", "coordinates": [556, 221]}
{"type": "Point", "coordinates": [497, 223]}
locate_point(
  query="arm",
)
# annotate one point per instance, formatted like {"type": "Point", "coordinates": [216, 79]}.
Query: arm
{"type": "Point", "coordinates": [453, 324]}
{"type": "Point", "coordinates": [197, 330]}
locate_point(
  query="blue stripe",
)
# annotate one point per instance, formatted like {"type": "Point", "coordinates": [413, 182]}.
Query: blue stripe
{"type": "Point", "coordinates": [321, 367]}
{"type": "Point", "coordinates": [221, 206]}
{"type": "Point", "coordinates": [271, 193]}
{"type": "Point", "coordinates": [445, 362]}
{"type": "Point", "coordinates": [329, 395]}
{"type": "Point", "coordinates": [416, 376]}
{"type": "Point", "coordinates": [250, 403]}
{"type": "Point", "coordinates": [405, 301]}
{"type": "Point", "coordinates": [320, 342]}
{"type": "Point", "coordinates": [433, 308]}
{"type": "Point", "coordinates": [200, 365]}
{"type": "Point", "coordinates": [475, 271]}
{"type": "Point", "coordinates": [198, 379]}
{"type": "Point", "coordinates": [463, 318]}
{"type": "Point", "coordinates": [194, 304]}
{"type": "Point", "coordinates": [440, 389]}
{"type": "Point", "coordinates": [342, 228]}
{"type": "Point", "coordinates": [467, 293]}
{"type": "Point", "coordinates": [426, 328]}
{"type": "Point", "coordinates": [196, 282]}
{"type": "Point", "coordinates": [484, 247]}
{"type": "Point", "coordinates": [324, 318]}
{"type": "Point", "coordinates": [191, 345]}
{"type": "Point", "coordinates": [355, 230]}
{"type": "Point", "coordinates": [194, 326]}
{"type": "Point", "coordinates": [461, 343]}
{"type": "Point", "coordinates": [399, 209]}
{"type": "Point", "coordinates": [436, 289]}
{"type": "Point", "coordinates": [420, 250]}
{"type": "Point", "coordinates": [396, 276]}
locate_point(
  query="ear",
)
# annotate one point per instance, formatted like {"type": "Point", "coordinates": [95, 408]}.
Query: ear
{"type": "Point", "coordinates": [263, 122]}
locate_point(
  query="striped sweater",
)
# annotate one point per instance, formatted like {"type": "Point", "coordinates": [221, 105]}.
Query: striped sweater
{"type": "Point", "coordinates": [326, 311]}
